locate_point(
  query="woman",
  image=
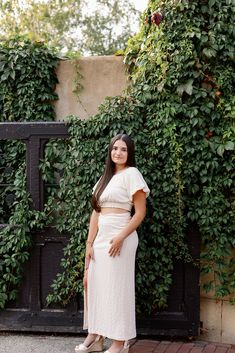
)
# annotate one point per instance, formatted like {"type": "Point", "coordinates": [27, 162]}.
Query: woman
{"type": "Point", "coordinates": [110, 250]}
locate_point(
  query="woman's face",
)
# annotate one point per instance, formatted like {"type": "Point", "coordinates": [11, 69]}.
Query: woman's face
{"type": "Point", "coordinates": [119, 153]}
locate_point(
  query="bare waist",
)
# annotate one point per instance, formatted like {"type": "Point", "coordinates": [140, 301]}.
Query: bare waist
{"type": "Point", "coordinates": [107, 210]}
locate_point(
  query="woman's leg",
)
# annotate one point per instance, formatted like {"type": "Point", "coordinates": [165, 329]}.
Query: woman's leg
{"type": "Point", "coordinates": [90, 338]}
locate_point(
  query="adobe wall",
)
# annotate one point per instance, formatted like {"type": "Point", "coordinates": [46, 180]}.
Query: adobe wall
{"type": "Point", "coordinates": [102, 76]}
{"type": "Point", "coordinates": [106, 76]}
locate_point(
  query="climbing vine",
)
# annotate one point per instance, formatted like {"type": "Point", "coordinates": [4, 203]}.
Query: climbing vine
{"type": "Point", "coordinates": [182, 68]}
{"type": "Point", "coordinates": [27, 82]}
{"type": "Point", "coordinates": [179, 109]}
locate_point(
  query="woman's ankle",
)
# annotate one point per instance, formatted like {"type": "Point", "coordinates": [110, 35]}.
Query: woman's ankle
{"type": "Point", "coordinates": [116, 346]}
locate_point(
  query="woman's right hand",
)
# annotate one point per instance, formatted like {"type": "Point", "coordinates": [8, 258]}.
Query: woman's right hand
{"type": "Point", "coordinates": [89, 255]}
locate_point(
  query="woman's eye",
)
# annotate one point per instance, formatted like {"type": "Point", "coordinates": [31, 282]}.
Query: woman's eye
{"type": "Point", "coordinates": [122, 149]}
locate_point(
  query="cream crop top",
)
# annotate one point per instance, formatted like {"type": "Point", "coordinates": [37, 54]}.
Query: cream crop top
{"type": "Point", "coordinates": [121, 188]}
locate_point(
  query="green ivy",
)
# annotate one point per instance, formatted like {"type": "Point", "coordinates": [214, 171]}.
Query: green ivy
{"type": "Point", "coordinates": [183, 71]}
{"type": "Point", "coordinates": [27, 82]}
{"type": "Point", "coordinates": [179, 109]}
{"type": "Point", "coordinates": [28, 79]}
{"type": "Point", "coordinates": [15, 240]}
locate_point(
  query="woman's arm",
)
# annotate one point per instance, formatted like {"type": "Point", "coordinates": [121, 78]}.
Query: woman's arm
{"type": "Point", "coordinates": [93, 228]}
{"type": "Point", "coordinates": [139, 200]}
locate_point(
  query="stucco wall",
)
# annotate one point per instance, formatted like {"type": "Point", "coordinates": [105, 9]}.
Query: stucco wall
{"type": "Point", "coordinates": [101, 77]}
{"type": "Point", "coordinates": [218, 317]}
{"type": "Point", "coordinates": [106, 76]}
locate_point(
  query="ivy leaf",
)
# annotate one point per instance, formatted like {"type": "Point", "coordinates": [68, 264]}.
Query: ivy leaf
{"type": "Point", "coordinates": [229, 146]}
{"type": "Point", "coordinates": [212, 146]}
{"type": "Point", "coordinates": [187, 87]}
{"type": "Point", "coordinates": [160, 86]}
{"type": "Point", "coordinates": [2, 64]}
{"type": "Point", "coordinates": [209, 52]}
{"type": "Point", "coordinates": [119, 52]}
{"type": "Point", "coordinates": [220, 150]}
{"type": "Point", "coordinates": [212, 2]}
{"type": "Point", "coordinates": [5, 75]}
{"type": "Point", "coordinates": [13, 74]}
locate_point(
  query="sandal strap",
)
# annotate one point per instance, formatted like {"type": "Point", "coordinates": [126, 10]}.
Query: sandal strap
{"type": "Point", "coordinates": [80, 347]}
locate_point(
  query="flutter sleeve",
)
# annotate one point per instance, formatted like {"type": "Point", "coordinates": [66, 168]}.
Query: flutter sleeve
{"type": "Point", "coordinates": [135, 182]}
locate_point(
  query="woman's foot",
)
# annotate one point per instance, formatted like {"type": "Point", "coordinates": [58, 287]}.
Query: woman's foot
{"type": "Point", "coordinates": [118, 347]}
{"type": "Point", "coordinates": [92, 343]}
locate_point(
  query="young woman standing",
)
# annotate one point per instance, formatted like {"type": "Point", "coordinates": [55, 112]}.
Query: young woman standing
{"type": "Point", "coordinates": [109, 278]}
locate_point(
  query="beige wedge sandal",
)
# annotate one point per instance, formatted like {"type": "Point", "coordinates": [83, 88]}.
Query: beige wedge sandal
{"type": "Point", "coordinates": [96, 346]}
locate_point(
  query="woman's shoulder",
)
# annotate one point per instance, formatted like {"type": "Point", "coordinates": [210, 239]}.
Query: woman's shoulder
{"type": "Point", "coordinates": [133, 170]}
{"type": "Point", "coordinates": [135, 181]}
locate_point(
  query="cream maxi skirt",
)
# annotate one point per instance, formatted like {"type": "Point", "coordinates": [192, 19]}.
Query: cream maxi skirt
{"type": "Point", "coordinates": [110, 298]}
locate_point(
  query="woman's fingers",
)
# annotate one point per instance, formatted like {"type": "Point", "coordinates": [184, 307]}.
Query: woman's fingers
{"type": "Point", "coordinates": [90, 255]}
{"type": "Point", "coordinates": [114, 251]}
{"type": "Point", "coordinates": [115, 248]}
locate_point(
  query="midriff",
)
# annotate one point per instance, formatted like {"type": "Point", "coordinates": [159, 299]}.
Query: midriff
{"type": "Point", "coordinates": [107, 210]}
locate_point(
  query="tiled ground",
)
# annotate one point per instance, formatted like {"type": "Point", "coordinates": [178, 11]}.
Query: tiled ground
{"type": "Point", "coordinates": [151, 346]}
{"type": "Point", "coordinates": [22, 342]}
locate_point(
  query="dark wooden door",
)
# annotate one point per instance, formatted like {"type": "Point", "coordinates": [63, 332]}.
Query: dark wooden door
{"type": "Point", "coordinates": [30, 312]}
{"type": "Point", "coordinates": [181, 318]}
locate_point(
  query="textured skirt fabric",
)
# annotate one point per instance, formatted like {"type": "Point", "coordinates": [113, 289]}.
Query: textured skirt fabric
{"type": "Point", "coordinates": [110, 297]}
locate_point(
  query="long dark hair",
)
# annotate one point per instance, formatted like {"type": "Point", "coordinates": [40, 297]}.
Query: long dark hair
{"type": "Point", "coordinates": [110, 167]}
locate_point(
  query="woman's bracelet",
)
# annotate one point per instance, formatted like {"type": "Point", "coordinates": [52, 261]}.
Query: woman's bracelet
{"type": "Point", "coordinates": [89, 242]}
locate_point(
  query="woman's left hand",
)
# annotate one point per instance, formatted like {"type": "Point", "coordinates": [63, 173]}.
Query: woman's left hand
{"type": "Point", "coordinates": [116, 245]}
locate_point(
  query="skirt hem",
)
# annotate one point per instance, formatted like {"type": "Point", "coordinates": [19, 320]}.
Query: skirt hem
{"type": "Point", "coordinates": [119, 338]}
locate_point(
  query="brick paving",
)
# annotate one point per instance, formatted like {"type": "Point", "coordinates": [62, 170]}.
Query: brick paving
{"type": "Point", "coordinates": [154, 346]}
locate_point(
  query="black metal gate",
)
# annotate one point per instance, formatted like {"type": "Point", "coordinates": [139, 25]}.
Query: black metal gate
{"type": "Point", "coordinates": [30, 312]}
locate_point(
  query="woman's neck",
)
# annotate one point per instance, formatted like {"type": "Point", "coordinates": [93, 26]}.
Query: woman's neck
{"type": "Point", "coordinates": [119, 168]}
